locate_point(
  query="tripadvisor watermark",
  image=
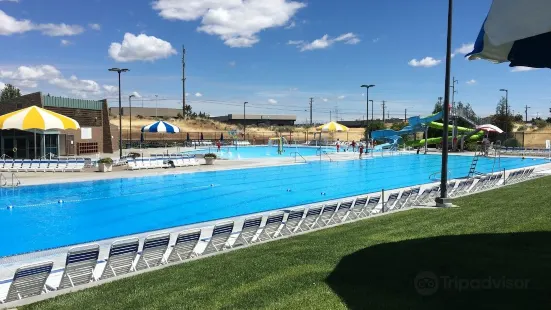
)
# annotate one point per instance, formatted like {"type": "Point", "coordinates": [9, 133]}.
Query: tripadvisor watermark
{"type": "Point", "coordinates": [428, 283]}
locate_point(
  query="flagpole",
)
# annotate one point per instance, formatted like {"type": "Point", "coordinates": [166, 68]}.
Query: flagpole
{"type": "Point", "coordinates": [443, 200]}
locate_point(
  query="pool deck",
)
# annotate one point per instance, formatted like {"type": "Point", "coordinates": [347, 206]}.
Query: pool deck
{"type": "Point", "coordinates": [91, 174]}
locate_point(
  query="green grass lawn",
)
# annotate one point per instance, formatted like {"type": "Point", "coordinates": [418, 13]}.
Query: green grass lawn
{"type": "Point", "coordinates": [499, 237]}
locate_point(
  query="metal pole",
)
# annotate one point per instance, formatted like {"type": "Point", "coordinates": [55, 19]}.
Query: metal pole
{"type": "Point", "coordinates": [244, 120]}
{"type": "Point", "coordinates": [367, 133]}
{"type": "Point", "coordinates": [130, 130]}
{"type": "Point", "coordinates": [506, 113]}
{"type": "Point", "coordinates": [120, 117]}
{"type": "Point", "coordinates": [183, 82]}
{"type": "Point", "coordinates": [444, 173]}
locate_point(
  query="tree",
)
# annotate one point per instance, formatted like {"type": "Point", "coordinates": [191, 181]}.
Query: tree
{"type": "Point", "coordinates": [518, 118]}
{"type": "Point", "coordinates": [377, 125]}
{"type": "Point", "coordinates": [9, 92]}
{"type": "Point", "coordinates": [502, 118]}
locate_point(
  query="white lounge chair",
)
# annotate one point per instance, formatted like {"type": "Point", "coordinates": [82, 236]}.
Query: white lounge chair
{"type": "Point", "coordinates": [291, 223]}
{"type": "Point", "coordinates": [343, 211]}
{"type": "Point", "coordinates": [153, 251]}
{"type": "Point", "coordinates": [62, 165]}
{"type": "Point", "coordinates": [389, 204]}
{"type": "Point", "coordinates": [184, 246]}
{"type": "Point", "coordinates": [403, 199]}
{"type": "Point", "coordinates": [271, 228]}
{"type": "Point", "coordinates": [309, 221]}
{"type": "Point", "coordinates": [35, 165]}
{"type": "Point", "coordinates": [248, 231]}
{"type": "Point", "coordinates": [326, 214]}
{"type": "Point", "coordinates": [358, 209]}
{"type": "Point", "coordinates": [220, 235]}
{"type": "Point", "coordinates": [79, 266]}
{"type": "Point", "coordinates": [28, 281]}
{"type": "Point", "coordinates": [121, 258]}
{"type": "Point", "coordinates": [26, 165]}
{"type": "Point", "coordinates": [372, 203]}
{"type": "Point", "coordinates": [17, 163]}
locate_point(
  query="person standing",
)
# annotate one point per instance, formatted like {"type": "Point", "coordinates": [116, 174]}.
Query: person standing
{"type": "Point", "coordinates": [361, 149]}
{"type": "Point", "coordinates": [338, 144]}
{"type": "Point", "coordinates": [353, 146]}
{"type": "Point", "coordinates": [218, 144]}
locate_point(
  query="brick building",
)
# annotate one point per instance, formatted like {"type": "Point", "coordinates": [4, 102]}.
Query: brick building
{"type": "Point", "coordinates": [96, 134]}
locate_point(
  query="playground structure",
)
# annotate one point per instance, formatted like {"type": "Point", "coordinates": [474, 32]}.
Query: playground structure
{"type": "Point", "coordinates": [279, 142]}
{"type": "Point", "coordinates": [421, 124]}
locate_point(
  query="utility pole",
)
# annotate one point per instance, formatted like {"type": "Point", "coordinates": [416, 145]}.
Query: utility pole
{"type": "Point", "coordinates": [329, 115]}
{"type": "Point", "coordinates": [526, 112]}
{"type": "Point", "coordinates": [384, 106]}
{"type": "Point", "coordinates": [371, 111]}
{"type": "Point", "coordinates": [405, 115]}
{"type": "Point", "coordinates": [337, 113]}
{"type": "Point", "coordinates": [244, 120]}
{"type": "Point", "coordinates": [183, 82]}
{"type": "Point", "coordinates": [311, 101]}
{"type": "Point", "coordinates": [454, 92]}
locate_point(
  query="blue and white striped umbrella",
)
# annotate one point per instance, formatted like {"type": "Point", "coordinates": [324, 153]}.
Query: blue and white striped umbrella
{"type": "Point", "coordinates": [518, 32]}
{"type": "Point", "coordinates": [160, 126]}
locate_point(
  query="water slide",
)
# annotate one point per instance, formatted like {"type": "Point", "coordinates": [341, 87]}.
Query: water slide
{"type": "Point", "coordinates": [418, 124]}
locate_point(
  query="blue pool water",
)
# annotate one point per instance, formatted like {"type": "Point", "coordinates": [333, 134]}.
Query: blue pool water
{"type": "Point", "coordinates": [244, 152]}
{"type": "Point", "coordinates": [110, 208]}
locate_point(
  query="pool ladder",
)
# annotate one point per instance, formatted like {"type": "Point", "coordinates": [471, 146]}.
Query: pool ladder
{"type": "Point", "coordinates": [322, 152]}
{"type": "Point", "coordinates": [15, 182]}
{"type": "Point", "coordinates": [297, 153]}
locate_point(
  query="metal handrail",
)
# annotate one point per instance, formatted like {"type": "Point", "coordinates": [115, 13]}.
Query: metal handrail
{"type": "Point", "coordinates": [3, 180]}
{"type": "Point", "coordinates": [14, 177]}
{"type": "Point", "coordinates": [433, 178]}
{"type": "Point", "coordinates": [297, 153]}
{"type": "Point", "coordinates": [322, 152]}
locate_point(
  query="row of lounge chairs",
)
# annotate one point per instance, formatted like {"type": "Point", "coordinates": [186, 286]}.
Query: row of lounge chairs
{"type": "Point", "coordinates": [161, 161]}
{"type": "Point", "coordinates": [42, 165]}
{"type": "Point", "coordinates": [524, 151]}
{"type": "Point", "coordinates": [125, 255]}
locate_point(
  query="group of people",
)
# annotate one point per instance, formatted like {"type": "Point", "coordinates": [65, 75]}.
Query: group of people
{"type": "Point", "coordinates": [362, 147]}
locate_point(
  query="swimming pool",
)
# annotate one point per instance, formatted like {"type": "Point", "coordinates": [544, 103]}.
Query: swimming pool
{"type": "Point", "coordinates": [103, 209]}
{"type": "Point", "coordinates": [245, 152]}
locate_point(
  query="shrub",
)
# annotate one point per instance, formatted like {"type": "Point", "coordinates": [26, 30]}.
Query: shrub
{"type": "Point", "coordinates": [540, 123]}
{"type": "Point", "coordinates": [521, 128]}
{"type": "Point", "coordinates": [106, 160]}
{"type": "Point", "coordinates": [210, 155]}
{"type": "Point", "coordinates": [511, 142]}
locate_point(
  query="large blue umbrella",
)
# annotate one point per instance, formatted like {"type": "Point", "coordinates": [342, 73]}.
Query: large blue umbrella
{"type": "Point", "coordinates": [518, 32]}
{"type": "Point", "coordinates": [162, 127]}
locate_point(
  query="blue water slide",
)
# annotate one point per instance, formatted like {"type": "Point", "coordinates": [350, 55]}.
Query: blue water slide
{"type": "Point", "coordinates": [416, 124]}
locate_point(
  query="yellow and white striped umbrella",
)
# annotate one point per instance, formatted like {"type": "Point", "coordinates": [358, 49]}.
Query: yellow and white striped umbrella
{"type": "Point", "coordinates": [36, 118]}
{"type": "Point", "coordinates": [332, 127]}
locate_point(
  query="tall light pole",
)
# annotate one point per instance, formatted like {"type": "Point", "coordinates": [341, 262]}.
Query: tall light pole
{"type": "Point", "coordinates": [118, 70]}
{"type": "Point", "coordinates": [506, 110]}
{"type": "Point", "coordinates": [244, 120]}
{"type": "Point", "coordinates": [130, 106]}
{"type": "Point", "coordinates": [443, 201]}
{"type": "Point", "coordinates": [367, 87]}
{"type": "Point", "coordinates": [371, 110]}
{"type": "Point", "coordinates": [156, 104]}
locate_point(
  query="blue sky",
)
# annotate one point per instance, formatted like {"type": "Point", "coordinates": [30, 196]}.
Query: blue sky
{"type": "Point", "coordinates": [275, 54]}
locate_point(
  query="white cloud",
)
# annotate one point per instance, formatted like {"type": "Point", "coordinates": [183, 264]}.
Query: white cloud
{"type": "Point", "coordinates": [341, 97]}
{"type": "Point", "coordinates": [42, 72]}
{"type": "Point", "coordinates": [464, 49]}
{"type": "Point", "coordinates": [136, 94]}
{"type": "Point", "coordinates": [471, 82]}
{"type": "Point", "coordinates": [324, 99]}
{"type": "Point", "coordinates": [110, 88]}
{"type": "Point", "coordinates": [2, 85]}
{"type": "Point", "coordinates": [59, 30]}
{"type": "Point", "coordinates": [295, 42]}
{"type": "Point", "coordinates": [426, 62]}
{"type": "Point", "coordinates": [272, 101]}
{"type": "Point", "coordinates": [9, 25]}
{"type": "Point", "coordinates": [77, 87]}
{"type": "Point", "coordinates": [291, 25]}
{"type": "Point", "coordinates": [198, 95]}
{"type": "Point", "coordinates": [326, 41]}
{"type": "Point", "coordinates": [522, 69]}
{"type": "Point", "coordinates": [94, 26]}
{"type": "Point", "coordinates": [236, 22]}
{"type": "Point", "coordinates": [65, 42]}
{"type": "Point", "coordinates": [16, 1]}
{"type": "Point", "coordinates": [141, 47]}
{"type": "Point", "coordinates": [187, 94]}
{"type": "Point", "coordinates": [293, 89]}
{"type": "Point", "coordinates": [232, 63]}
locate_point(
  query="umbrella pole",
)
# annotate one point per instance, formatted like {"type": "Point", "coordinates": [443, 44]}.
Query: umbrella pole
{"type": "Point", "coordinates": [35, 144]}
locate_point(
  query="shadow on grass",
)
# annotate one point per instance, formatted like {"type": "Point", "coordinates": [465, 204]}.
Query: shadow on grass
{"type": "Point", "coordinates": [491, 271]}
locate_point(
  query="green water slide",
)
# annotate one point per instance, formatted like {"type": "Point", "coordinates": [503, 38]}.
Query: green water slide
{"type": "Point", "coordinates": [435, 125]}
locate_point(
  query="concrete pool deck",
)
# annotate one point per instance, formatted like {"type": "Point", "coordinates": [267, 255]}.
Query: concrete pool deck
{"type": "Point", "coordinates": [91, 174]}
